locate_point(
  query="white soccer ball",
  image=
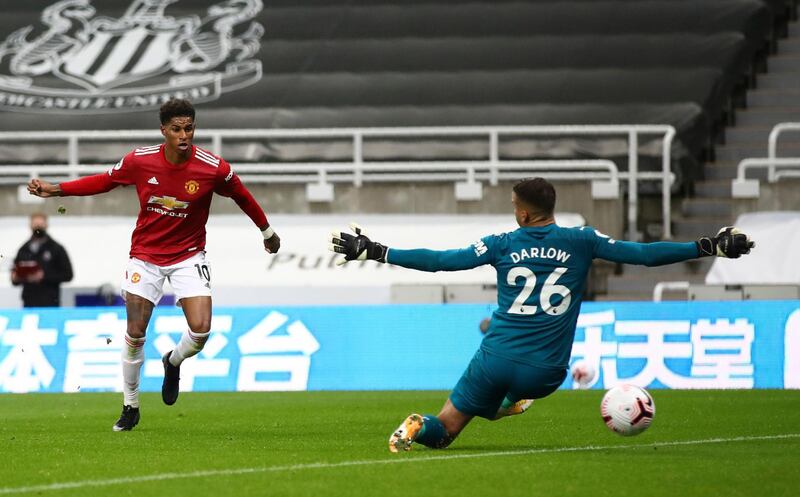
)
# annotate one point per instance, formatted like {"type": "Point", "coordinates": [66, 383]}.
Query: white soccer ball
{"type": "Point", "coordinates": [627, 409]}
{"type": "Point", "coordinates": [582, 373]}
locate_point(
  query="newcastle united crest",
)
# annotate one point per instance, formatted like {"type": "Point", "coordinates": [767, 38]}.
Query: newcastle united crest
{"type": "Point", "coordinates": [77, 62]}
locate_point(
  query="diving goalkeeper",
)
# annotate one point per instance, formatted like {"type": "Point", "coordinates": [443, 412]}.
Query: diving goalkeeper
{"type": "Point", "coordinates": [541, 273]}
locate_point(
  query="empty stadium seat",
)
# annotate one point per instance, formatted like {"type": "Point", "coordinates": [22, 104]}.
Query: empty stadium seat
{"type": "Point", "coordinates": [726, 49]}
{"type": "Point", "coordinates": [334, 63]}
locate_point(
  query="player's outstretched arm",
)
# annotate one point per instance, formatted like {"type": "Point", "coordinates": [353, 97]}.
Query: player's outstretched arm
{"type": "Point", "coordinates": [728, 242]}
{"type": "Point", "coordinates": [88, 185]}
{"type": "Point", "coordinates": [360, 248]}
{"type": "Point", "coordinates": [43, 189]}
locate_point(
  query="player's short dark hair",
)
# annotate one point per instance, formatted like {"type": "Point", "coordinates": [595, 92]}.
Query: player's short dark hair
{"type": "Point", "coordinates": [538, 193]}
{"type": "Point", "coordinates": [175, 107]}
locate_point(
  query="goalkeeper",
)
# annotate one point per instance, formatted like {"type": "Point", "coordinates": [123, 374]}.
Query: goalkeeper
{"type": "Point", "coordinates": [541, 273]}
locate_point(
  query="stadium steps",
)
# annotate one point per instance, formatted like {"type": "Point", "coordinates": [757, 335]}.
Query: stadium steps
{"type": "Point", "coordinates": [713, 188]}
{"type": "Point", "coordinates": [783, 63]}
{"type": "Point", "coordinates": [775, 99]}
{"type": "Point", "coordinates": [711, 207]}
{"type": "Point", "coordinates": [785, 80]}
{"type": "Point", "coordinates": [691, 228]}
{"type": "Point", "coordinates": [718, 171]}
{"type": "Point", "coordinates": [638, 282]}
{"type": "Point", "coordinates": [789, 146]}
{"type": "Point", "coordinates": [766, 116]}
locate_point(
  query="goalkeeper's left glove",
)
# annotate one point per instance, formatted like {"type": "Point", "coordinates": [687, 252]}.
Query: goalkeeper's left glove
{"type": "Point", "coordinates": [729, 242]}
{"type": "Point", "coordinates": [356, 248]}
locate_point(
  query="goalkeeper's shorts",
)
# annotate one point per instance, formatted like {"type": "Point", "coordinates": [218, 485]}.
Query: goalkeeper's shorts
{"type": "Point", "coordinates": [489, 379]}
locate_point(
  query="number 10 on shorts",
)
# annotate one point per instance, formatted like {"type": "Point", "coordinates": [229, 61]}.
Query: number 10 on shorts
{"type": "Point", "coordinates": [203, 272]}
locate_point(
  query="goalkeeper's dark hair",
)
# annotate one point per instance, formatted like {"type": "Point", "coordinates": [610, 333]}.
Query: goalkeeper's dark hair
{"type": "Point", "coordinates": [538, 193]}
{"type": "Point", "coordinates": [175, 107]}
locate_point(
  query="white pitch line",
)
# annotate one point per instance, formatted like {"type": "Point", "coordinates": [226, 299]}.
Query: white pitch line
{"type": "Point", "coordinates": [396, 460]}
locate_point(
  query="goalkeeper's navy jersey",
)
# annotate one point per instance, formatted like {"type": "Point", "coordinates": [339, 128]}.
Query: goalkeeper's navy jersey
{"type": "Point", "coordinates": [541, 275]}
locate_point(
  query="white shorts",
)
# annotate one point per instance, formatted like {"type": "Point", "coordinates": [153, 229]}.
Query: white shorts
{"type": "Point", "coordinates": [189, 278]}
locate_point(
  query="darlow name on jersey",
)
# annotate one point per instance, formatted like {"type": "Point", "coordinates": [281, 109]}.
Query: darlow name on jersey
{"type": "Point", "coordinates": [540, 253]}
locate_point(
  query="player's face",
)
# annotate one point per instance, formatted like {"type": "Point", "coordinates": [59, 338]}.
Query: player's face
{"type": "Point", "coordinates": [179, 132]}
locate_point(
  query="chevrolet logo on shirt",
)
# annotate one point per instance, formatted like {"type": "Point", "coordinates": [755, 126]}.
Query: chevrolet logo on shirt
{"type": "Point", "coordinates": [169, 203]}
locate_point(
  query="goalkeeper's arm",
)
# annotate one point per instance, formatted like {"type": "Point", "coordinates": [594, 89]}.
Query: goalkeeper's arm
{"type": "Point", "coordinates": [360, 248]}
{"type": "Point", "coordinates": [729, 242]}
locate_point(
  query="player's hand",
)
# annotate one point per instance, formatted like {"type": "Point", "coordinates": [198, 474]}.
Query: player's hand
{"type": "Point", "coordinates": [43, 189]}
{"type": "Point", "coordinates": [272, 244]}
{"type": "Point", "coordinates": [356, 248]}
{"type": "Point", "coordinates": [729, 242]}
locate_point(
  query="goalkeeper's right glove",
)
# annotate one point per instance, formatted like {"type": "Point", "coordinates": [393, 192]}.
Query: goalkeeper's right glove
{"type": "Point", "coordinates": [356, 248]}
{"type": "Point", "coordinates": [729, 242]}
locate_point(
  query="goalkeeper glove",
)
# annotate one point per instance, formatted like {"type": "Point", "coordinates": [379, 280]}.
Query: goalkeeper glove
{"type": "Point", "coordinates": [356, 248]}
{"type": "Point", "coordinates": [729, 242]}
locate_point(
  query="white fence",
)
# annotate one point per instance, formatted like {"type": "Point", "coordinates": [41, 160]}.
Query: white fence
{"type": "Point", "coordinates": [467, 175]}
{"type": "Point", "coordinates": [776, 167]}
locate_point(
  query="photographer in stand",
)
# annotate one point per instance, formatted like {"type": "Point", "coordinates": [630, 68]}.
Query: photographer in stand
{"type": "Point", "coordinates": [40, 267]}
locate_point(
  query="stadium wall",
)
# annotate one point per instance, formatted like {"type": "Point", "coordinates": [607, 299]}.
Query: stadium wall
{"type": "Point", "coordinates": [242, 274]}
{"type": "Point", "coordinates": [668, 345]}
{"type": "Point", "coordinates": [379, 198]}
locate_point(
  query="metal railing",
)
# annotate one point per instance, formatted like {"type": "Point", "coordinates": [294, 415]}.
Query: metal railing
{"type": "Point", "coordinates": [671, 286]}
{"type": "Point", "coordinates": [741, 187]}
{"type": "Point", "coordinates": [603, 171]}
{"type": "Point", "coordinates": [772, 146]}
{"type": "Point", "coordinates": [357, 170]}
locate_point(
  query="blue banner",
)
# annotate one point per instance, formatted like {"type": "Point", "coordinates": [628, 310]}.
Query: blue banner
{"type": "Point", "coordinates": [666, 345]}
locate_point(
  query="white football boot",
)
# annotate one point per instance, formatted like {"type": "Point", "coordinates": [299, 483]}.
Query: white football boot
{"type": "Point", "coordinates": [406, 433]}
{"type": "Point", "coordinates": [517, 407]}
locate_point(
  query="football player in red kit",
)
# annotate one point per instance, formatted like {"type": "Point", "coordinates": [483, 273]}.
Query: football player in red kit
{"type": "Point", "coordinates": [175, 182]}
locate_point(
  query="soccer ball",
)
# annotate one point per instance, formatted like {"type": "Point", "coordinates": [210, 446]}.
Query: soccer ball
{"type": "Point", "coordinates": [627, 409]}
{"type": "Point", "coordinates": [582, 373]}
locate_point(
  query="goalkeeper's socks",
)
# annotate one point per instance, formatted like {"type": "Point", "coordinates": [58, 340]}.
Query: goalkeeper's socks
{"type": "Point", "coordinates": [433, 434]}
{"type": "Point", "coordinates": [132, 360]}
{"type": "Point", "coordinates": [191, 343]}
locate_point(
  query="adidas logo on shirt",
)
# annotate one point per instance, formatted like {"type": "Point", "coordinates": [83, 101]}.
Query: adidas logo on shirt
{"type": "Point", "coordinates": [153, 181]}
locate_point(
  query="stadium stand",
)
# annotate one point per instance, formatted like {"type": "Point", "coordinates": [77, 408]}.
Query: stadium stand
{"type": "Point", "coordinates": [381, 63]}
{"type": "Point", "coordinates": [334, 63]}
{"type": "Point", "coordinates": [775, 100]}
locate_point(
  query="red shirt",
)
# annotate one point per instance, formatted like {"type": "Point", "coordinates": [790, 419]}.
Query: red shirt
{"type": "Point", "coordinates": [175, 200]}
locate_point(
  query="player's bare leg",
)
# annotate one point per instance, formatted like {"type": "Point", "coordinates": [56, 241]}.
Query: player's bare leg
{"type": "Point", "coordinates": [453, 420]}
{"type": "Point", "coordinates": [436, 432]}
{"type": "Point", "coordinates": [138, 310]}
{"type": "Point", "coordinates": [198, 314]}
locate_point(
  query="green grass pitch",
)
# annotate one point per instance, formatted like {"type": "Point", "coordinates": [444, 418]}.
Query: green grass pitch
{"type": "Point", "coordinates": [701, 443]}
